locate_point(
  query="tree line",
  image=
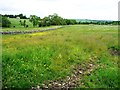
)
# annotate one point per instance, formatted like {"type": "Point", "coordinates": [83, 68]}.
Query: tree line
{"type": "Point", "coordinates": [101, 22]}
{"type": "Point", "coordinates": [51, 20]}
{"type": "Point", "coordinates": [21, 16]}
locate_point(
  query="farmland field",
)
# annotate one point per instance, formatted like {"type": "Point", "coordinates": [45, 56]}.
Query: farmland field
{"type": "Point", "coordinates": [33, 59]}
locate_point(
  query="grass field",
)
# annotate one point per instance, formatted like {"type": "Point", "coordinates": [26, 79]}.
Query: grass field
{"type": "Point", "coordinates": [32, 59]}
{"type": "Point", "coordinates": [16, 22]}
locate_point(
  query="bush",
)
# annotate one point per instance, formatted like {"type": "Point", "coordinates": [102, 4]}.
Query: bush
{"type": "Point", "coordinates": [27, 26]}
{"type": "Point", "coordinates": [5, 22]}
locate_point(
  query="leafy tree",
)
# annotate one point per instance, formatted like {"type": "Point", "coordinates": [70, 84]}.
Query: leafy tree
{"type": "Point", "coordinates": [70, 21]}
{"type": "Point", "coordinates": [52, 20]}
{"type": "Point", "coordinates": [34, 19]}
{"type": "Point", "coordinates": [56, 20]}
{"type": "Point", "coordinates": [45, 21]}
{"type": "Point", "coordinates": [5, 22]}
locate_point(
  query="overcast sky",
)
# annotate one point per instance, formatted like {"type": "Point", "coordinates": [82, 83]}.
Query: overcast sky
{"type": "Point", "coordinates": [75, 9]}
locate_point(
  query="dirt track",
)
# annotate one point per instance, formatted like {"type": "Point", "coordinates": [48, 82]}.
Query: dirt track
{"type": "Point", "coordinates": [70, 82]}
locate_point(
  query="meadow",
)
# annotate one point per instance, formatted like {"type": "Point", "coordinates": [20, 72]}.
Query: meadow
{"type": "Point", "coordinates": [33, 59]}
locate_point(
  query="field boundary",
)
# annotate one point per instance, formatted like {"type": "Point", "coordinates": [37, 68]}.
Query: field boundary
{"type": "Point", "coordinates": [30, 31]}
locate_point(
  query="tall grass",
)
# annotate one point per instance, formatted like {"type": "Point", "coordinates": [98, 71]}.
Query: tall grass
{"type": "Point", "coordinates": [30, 60]}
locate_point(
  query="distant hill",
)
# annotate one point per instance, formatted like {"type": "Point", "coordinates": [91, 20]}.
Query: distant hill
{"type": "Point", "coordinates": [89, 20]}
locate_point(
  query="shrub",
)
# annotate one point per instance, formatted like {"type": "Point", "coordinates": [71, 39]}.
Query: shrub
{"type": "Point", "coordinates": [27, 26]}
{"type": "Point", "coordinates": [5, 22]}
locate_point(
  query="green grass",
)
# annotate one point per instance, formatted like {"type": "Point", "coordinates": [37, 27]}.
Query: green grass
{"type": "Point", "coordinates": [16, 22]}
{"type": "Point", "coordinates": [32, 59]}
